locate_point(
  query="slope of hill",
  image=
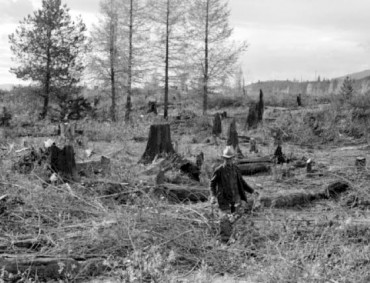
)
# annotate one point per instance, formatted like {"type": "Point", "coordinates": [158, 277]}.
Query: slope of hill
{"type": "Point", "coordinates": [6, 86]}
{"type": "Point", "coordinates": [358, 75]}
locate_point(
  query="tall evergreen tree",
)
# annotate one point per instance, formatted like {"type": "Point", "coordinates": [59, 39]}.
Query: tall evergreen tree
{"type": "Point", "coordinates": [48, 47]}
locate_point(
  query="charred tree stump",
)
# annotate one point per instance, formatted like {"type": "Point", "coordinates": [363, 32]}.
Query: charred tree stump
{"type": "Point", "coordinates": [253, 146]}
{"type": "Point", "coordinates": [5, 118]}
{"type": "Point", "coordinates": [159, 143]}
{"type": "Point", "coordinates": [233, 140]}
{"type": "Point", "coordinates": [217, 126]}
{"type": "Point", "coordinates": [279, 156]}
{"type": "Point", "coordinates": [360, 163]}
{"type": "Point", "coordinates": [261, 107]}
{"type": "Point", "coordinates": [252, 118]}
{"type": "Point", "coordinates": [62, 161]}
{"type": "Point", "coordinates": [152, 107]}
{"type": "Point", "coordinates": [299, 100]}
{"type": "Point", "coordinates": [199, 159]}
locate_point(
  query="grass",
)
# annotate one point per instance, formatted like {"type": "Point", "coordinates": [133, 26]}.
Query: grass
{"type": "Point", "coordinates": [138, 236]}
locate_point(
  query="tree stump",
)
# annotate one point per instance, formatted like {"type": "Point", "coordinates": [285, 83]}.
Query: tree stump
{"type": "Point", "coordinates": [261, 107]}
{"type": "Point", "coordinates": [5, 118]}
{"type": "Point", "coordinates": [309, 166]}
{"type": "Point", "coordinates": [360, 163]}
{"type": "Point", "coordinates": [152, 107]}
{"type": "Point", "coordinates": [199, 159]}
{"type": "Point", "coordinates": [159, 143]}
{"type": "Point", "coordinates": [278, 155]}
{"type": "Point", "coordinates": [253, 146]}
{"type": "Point", "coordinates": [217, 126]}
{"type": "Point", "coordinates": [62, 161]}
{"type": "Point", "coordinates": [299, 100]}
{"type": "Point", "coordinates": [233, 140]}
{"type": "Point", "coordinates": [252, 118]}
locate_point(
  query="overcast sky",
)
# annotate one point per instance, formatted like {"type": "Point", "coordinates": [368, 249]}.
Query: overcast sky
{"type": "Point", "coordinates": [288, 39]}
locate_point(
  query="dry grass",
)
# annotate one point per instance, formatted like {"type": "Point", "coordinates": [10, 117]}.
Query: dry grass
{"type": "Point", "coordinates": [136, 236]}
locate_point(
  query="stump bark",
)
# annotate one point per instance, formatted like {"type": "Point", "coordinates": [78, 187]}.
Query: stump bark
{"type": "Point", "coordinates": [261, 107]}
{"type": "Point", "coordinates": [233, 140]}
{"type": "Point", "coordinates": [159, 143]}
{"type": "Point", "coordinates": [299, 100]}
{"type": "Point", "coordinates": [217, 127]}
{"type": "Point", "coordinates": [62, 161]}
{"type": "Point", "coordinates": [360, 163]}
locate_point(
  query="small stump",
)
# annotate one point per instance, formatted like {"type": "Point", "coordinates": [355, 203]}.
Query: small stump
{"type": "Point", "coordinates": [253, 146]}
{"type": "Point", "coordinates": [217, 127]}
{"type": "Point", "coordinates": [360, 163]}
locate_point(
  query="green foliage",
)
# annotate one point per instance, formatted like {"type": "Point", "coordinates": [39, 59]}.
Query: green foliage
{"type": "Point", "coordinates": [48, 48]}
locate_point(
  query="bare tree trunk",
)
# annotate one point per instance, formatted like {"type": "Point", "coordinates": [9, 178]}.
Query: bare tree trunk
{"type": "Point", "coordinates": [129, 79]}
{"type": "Point", "coordinates": [112, 53]}
{"type": "Point", "coordinates": [165, 114]}
{"type": "Point", "coordinates": [205, 77]}
{"type": "Point", "coordinates": [47, 79]}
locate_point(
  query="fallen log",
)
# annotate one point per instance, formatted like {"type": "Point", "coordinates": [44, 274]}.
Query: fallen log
{"type": "Point", "coordinates": [46, 269]}
{"type": "Point", "coordinates": [177, 193]}
{"type": "Point", "coordinates": [263, 159]}
{"type": "Point", "coordinates": [248, 169]}
{"type": "Point", "coordinates": [303, 198]}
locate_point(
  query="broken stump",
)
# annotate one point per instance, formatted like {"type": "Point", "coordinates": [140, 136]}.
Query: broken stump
{"type": "Point", "coordinates": [62, 162]}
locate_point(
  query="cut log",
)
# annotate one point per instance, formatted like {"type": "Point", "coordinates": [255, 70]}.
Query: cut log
{"type": "Point", "coordinates": [177, 193]}
{"type": "Point", "coordinates": [248, 169]}
{"type": "Point", "coordinates": [159, 143]}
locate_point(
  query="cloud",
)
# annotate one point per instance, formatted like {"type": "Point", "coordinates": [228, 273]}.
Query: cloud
{"type": "Point", "coordinates": [84, 6]}
{"type": "Point", "coordinates": [14, 10]}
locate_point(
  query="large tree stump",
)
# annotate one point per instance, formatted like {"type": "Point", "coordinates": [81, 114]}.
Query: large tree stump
{"type": "Point", "coordinates": [232, 139]}
{"type": "Point", "coordinates": [62, 161]}
{"type": "Point", "coordinates": [252, 118]}
{"type": "Point", "coordinates": [159, 143]}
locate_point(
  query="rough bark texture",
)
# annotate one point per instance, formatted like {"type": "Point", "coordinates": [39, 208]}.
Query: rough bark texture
{"type": "Point", "coordinates": [62, 161]}
{"type": "Point", "coordinates": [233, 140]}
{"type": "Point", "coordinates": [248, 169]}
{"type": "Point", "coordinates": [278, 155]}
{"type": "Point", "coordinates": [252, 118]}
{"type": "Point", "coordinates": [5, 118]}
{"type": "Point", "coordinates": [299, 100]}
{"type": "Point", "coordinates": [232, 135]}
{"type": "Point", "coordinates": [261, 107]}
{"type": "Point", "coordinates": [152, 107]}
{"type": "Point", "coordinates": [159, 143]}
{"type": "Point", "coordinates": [217, 126]}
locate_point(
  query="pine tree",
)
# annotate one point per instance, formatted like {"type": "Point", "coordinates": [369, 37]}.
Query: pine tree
{"type": "Point", "coordinates": [48, 47]}
{"type": "Point", "coordinates": [346, 90]}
